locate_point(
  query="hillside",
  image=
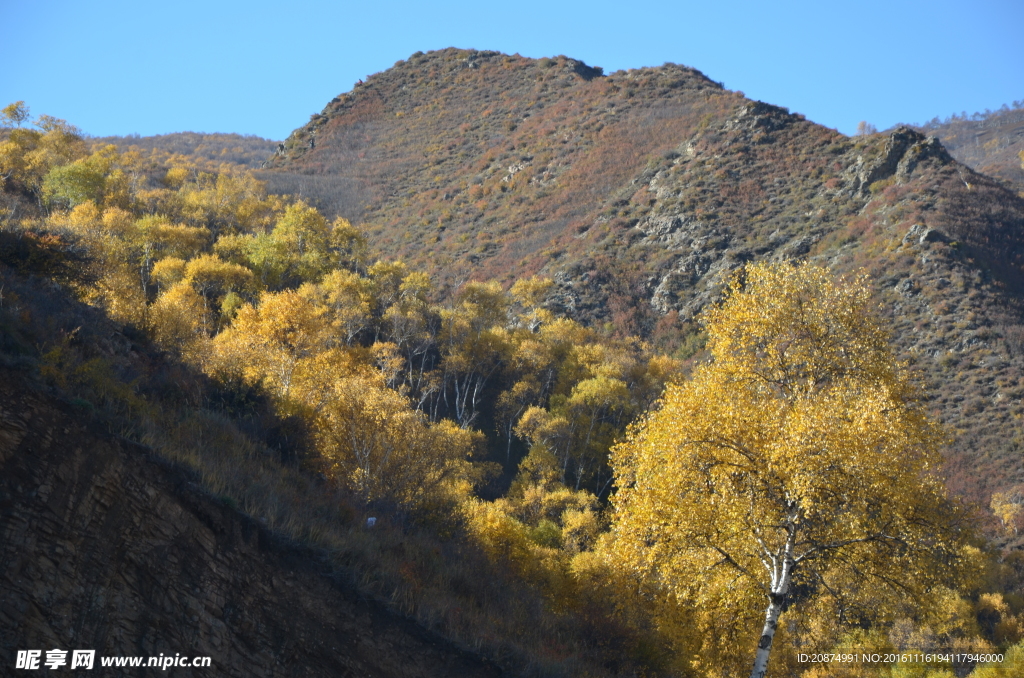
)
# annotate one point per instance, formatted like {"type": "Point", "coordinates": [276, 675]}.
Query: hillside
{"type": "Point", "coordinates": [640, 192]}
{"type": "Point", "coordinates": [208, 383]}
{"type": "Point", "coordinates": [454, 144]}
{"type": "Point", "coordinates": [206, 150]}
{"type": "Point", "coordinates": [129, 373]}
{"type": "Point", "coordinates": [109, 547]}
{"type": "Point", "coordinates": [990, 142]}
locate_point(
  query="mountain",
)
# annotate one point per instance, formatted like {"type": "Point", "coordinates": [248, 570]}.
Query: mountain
{"type": "Point", "coordinates": [642, 191]}
{"type": "Point", "coordinates": [990, 142]}
{"type": "Point", "coordinates": [483, 159]}
{"type": "Point", "coordinates": [251, 455]}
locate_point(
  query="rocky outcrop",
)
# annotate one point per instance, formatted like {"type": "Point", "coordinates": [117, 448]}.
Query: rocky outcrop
{"type": "Point", "coordinates": [757, 115]}
{"type": "Point", "coordinates": [903, 150]}
{"type": "Point", "coordinates": [103, 546]}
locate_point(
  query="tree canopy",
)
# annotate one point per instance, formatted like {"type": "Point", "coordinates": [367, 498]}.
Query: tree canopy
{"type": "Point", "coordinates": [798, 465]}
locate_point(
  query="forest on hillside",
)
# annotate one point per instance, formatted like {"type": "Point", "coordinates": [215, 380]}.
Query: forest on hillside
{"type": "Point", "coordinates": [562, 498]}
{"type": "Point", "coordinates": [212, 152]}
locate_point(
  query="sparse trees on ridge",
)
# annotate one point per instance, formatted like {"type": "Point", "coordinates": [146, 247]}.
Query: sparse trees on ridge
{"type": "Point", "coordinates": [864, 127]}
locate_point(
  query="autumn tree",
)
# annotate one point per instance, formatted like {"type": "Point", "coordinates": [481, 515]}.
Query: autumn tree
{"type": "Point", "coordinates": [104, 177]}
{"type": "Point", "coordinates": [178, 320]}
{"type": "Point", "coordinates": [374, 442]}
{"type": "Point", "coordinates": [473, 340]}
{"type": "Point", "coordinates": [412, 325]}
{"type": "Point", "coordinates": [385, 278]}
{"type": "Point", "coordinates": [73, 184]}
{"type": "Point", "coordinates": [301, 247]}
{"type": "Point", "coordinates": [798, 465]}
{"type": "Point", "coordinates": [1007, 510]}
{"type": "Point", "coordinates": [864, 128]}
{"type": "Point", "coordinates": [269, 343]}
{"type": "Point", "coordinates": [347, 245]}
{"type": "Point", "coordinates": [347, 298]}
{"type": "Point", "coordinates": [579, 429]}
{"type": "Point", "coordinates": [530, 294]}
{"type": "Point", "coordinates": [14, 114]}
{"type": "Point", "coordinates": [27, 155]}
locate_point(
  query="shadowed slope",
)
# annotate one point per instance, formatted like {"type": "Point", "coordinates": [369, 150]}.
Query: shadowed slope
{"type": "Point", "coordinates": [107, 547]}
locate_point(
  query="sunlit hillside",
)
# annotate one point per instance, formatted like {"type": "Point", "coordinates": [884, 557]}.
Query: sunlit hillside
{"type": "Point", "coordinates": [640, 192]}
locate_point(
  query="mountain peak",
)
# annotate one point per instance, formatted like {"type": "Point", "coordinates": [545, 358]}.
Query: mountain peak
{"type": "Point", "coordinates": [640, 192]}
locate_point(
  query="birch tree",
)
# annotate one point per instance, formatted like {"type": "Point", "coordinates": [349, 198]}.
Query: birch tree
{"type": "Point", "coordinates": [798, 464]}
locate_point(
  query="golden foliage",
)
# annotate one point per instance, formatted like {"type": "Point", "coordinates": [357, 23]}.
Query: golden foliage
{"type": "Point", "coordinates": [1007, 510]}
{"type": "Point", "coordinates": [375, 443]}
{"type": "Point", "coordinates": [179, 319]}
{"type": "Point", "coordinates": [28, 155]}
{"type": "Point", "coordinates": [799, 456]}
{"type": "Point", "coordinates": [265, 344]}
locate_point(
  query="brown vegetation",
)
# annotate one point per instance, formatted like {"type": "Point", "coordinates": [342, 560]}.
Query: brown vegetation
{"type": "Point", "coordinates": [989, 142]}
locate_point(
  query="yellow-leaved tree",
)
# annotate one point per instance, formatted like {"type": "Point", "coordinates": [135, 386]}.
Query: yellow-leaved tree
{"type": "Point", "coordinates": [797, 465]}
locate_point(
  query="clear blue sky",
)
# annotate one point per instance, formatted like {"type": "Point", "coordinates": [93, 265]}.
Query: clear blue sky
{"type": "Point", "coordinates": [257, 67]}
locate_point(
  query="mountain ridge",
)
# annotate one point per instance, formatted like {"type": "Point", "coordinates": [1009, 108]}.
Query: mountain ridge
{"type": "Point", "coordinates": [641, 192]}
{"type": "Point", "coordinates": [990, 142]}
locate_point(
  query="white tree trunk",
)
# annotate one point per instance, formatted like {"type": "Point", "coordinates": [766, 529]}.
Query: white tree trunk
{"type": "Point", "coordinates": [764, 646]}
{"type": "Point", "coordinates": [779, 590]}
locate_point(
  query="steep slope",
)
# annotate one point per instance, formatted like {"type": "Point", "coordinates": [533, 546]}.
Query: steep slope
{"type": "Point", "coordinates": [943, 244]}
{"type": "Point", "coordinates": [107, 547]}
{"type": "Point", "coordinates": [642, 191]}
{"type": "Point", "coordinates": [990, 142]}
{"type": "Point", "coordinates": [479, 161]}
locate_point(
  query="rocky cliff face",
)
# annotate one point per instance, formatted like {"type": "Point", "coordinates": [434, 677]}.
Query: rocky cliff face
{"type": "Point", "coordinates": [105, 547]}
